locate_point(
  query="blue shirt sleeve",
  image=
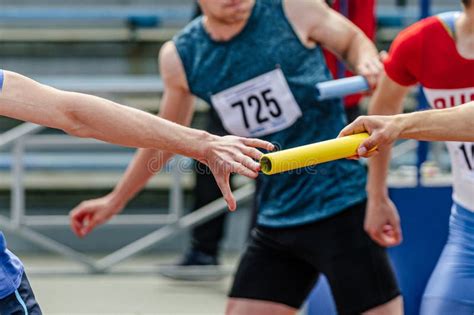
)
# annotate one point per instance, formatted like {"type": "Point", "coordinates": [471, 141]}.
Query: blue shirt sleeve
{"type": "Point", "coordinates": [1, 79]}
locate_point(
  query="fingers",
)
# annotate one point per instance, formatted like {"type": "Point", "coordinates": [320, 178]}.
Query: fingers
{"type": "Point", "coordinates": [76, 223]}
{"type": "Point", "coordinates": [78, 216]}
{"type": "Point", "coordinates": [383, 55]}
{"type": "Point", "coordinates": [371, 153]}
{"type": "Point", "coordinates": [397, 232]}
{"type": "Point", "coordinates": [222, 181]}
{"type": "Point", "coordinates": [252, 152]}
{"type": "Point", "coordinates": [371, 70]}
{"type": "Point", "coordinates": [354, 157]}
{"type": "Point", "coordinates": [370, 73]}
{"type": "Point", "coordinates": [381, 238]}
{"type": "Point", "coordinates": [376, 236]}
{"type": "Point", "coordinates": [242, 170]}
{"type": "Point", "coordinates": [390, 235]}
{"type": "Point", "coordinates": [84, 218]}
{"type": "Point", "coordinates": [387, 235]}
{"type": "Point", "coordinates": [248, 163]}
{"type": "Point", "coordinates": [83, 223]}
{"type": "Point", "coordinates": [376, 66]}
{"type": "Point", "coordinates": [91, 224]}
{"type": "Point", "coordinates": [257, 143]}
{"type": "Point", "coordinates": [366, 155]}
{"type": "Point", "coordinates": [366, 147]}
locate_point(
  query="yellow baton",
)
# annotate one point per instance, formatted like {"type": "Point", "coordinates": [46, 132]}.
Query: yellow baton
{"type": "Point", "coordinates": [311, 154]}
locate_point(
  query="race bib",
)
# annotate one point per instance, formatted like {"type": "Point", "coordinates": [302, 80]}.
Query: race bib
{"type": "Point", "coordinates": [257, 107]}
{"type": "Point", "coordinates": [447, 98]}
{"type": "Point", "coordinates": [462, 154]}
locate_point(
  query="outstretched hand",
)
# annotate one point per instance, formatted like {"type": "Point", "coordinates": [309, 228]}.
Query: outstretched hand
{"type": "Point", "coordinates": [223, 156]}
{"type": "Point", "coordinates": [231, 154]}
{"type": "Point", "coordinates": [383, 130]}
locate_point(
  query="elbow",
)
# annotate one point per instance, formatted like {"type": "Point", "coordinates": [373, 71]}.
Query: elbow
{"type": "Point", "coordinates": [77, 130]}
{"type": "Point", "coordinates": [75, 127]}
{"type": "Point", "coordinates": [72, 122]}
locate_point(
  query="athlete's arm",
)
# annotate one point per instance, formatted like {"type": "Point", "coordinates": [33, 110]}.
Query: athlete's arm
{"type": "Point", "coordinates": [177, 106]}
{"type": "Point", "coordinates": [318, 23]}
{"type": "Point", "coordinates": [382, 222]}
{"type": "Point", "coordinates": [453, 124]}
{"type": "Point", "coordinates": [93, 117]}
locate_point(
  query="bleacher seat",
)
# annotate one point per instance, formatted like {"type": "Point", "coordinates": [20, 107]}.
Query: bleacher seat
{"type": "Point", "coordinates": [138, 16]}
{"type": "Point", "coordinates": [105, 84]}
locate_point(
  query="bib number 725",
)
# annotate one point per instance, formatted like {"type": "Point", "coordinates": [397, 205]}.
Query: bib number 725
{"type": "Point", "coordinates": [257, 101]}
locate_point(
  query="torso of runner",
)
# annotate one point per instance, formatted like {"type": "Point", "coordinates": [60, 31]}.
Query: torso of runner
{"type": "Point", "coordinates": [426, 53]}
{"type": "Point", "coordinates": [261, 84]}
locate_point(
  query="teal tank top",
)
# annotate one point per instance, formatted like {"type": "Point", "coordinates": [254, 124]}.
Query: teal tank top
{"type": "Point", "coordinates": [267, 47]}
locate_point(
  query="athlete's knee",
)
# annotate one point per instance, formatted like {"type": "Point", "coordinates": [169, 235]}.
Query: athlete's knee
{"type": "Point", "coordinates": [392, 307]}
{"type": "Point", "coordinates": [236, 306]}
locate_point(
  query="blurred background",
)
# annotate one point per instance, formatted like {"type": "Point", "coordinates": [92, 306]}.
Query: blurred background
{"type": "Point", "coordinates": [109, 48]}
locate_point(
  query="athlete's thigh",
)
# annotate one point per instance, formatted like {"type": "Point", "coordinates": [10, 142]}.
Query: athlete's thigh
{"type": "Point", "coordinates": [358, 270]}
{"type": "Point", "coordinates": [451, 285]}
{"type": "Point", "coordinates": [268, 272]}
{"type": "Point", "coordinates": [444, 306]}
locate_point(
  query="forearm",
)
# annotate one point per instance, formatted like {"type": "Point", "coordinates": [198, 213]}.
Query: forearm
{"type": "Point", "coordinates": [360, 48]}
{"type": "Point", "coordinates": [148, 162]}
{"type": "Point", "coordinates": [387, 100]}
{"type": "Point", "coordinates": [378, 167]}
{"type": "Point", "coordinates": [454, 124]}
{"type": "Point", "coordinates": [135, 128]}
{"type": "Point", "coordinates": [89, 116]}
{"type": "Point", "coordinates": [176, 108]}
{"type": "Point", "coordinates": [378, 172]}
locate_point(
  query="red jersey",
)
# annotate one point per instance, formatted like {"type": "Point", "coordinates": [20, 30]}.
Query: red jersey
{"type": "Point", "coordinates": [362, 14]}
{"type": "Point", "coordinates": [426, 53]}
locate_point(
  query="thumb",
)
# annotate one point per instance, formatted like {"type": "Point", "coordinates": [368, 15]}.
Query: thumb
{"type": "Point", "coordinates": [77, 220]}
{"type": "Point", "coordinates": [91, 224]}
{"type": "Point", "coordinates": [397, 231]}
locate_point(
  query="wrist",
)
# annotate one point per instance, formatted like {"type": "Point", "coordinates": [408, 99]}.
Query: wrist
{"type": "Point", "coordinates": [409, 124]}
{"type": "Point", "coordinates": [376, 188]}
{"type": "Point", "coordinates": [378, 193]}
{"type": "Point", "coordinates": [202, 145]}
{"type": "Point", "coordinates": [401, 125]}
{"type": "Point", "coordinates": [117, 199]}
